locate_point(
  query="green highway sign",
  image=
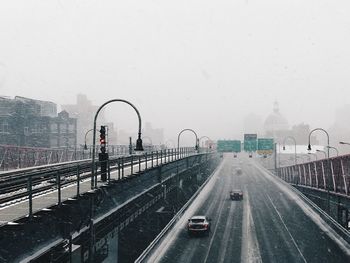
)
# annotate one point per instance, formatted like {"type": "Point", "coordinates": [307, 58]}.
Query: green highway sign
{"type": "Point", "coordinates": [265, 146]}
{"type": "Point", "coordinates": [229, 146]}
{"type": "Point", "coordinates": [250, 142]}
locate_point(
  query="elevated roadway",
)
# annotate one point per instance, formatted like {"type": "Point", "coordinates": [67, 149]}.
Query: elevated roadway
{"type": "Point", "coordinates": [271, 224]}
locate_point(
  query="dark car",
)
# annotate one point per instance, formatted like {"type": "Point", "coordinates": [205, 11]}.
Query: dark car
{"type": "Point", "coordinates": [198, 225]}
{"type": "Point", "coordinates": [236, 194]}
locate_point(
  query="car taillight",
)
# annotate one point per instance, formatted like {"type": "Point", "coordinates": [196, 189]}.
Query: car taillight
{"type": "Point", "coordinates": [205, 226]}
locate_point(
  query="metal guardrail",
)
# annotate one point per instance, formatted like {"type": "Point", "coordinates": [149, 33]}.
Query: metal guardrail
{"type": "Point", "coordinates": [17, 157]}
{"type": "Point", "coordinates": [165, 230]}
{"type": "Point", "coordinates": [26, 183]}
{"type": "Point", "coordinates": [333, 175]}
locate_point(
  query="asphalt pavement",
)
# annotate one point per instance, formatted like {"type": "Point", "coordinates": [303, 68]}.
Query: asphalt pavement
{"type": "Point", "coordinates": [270, 224]}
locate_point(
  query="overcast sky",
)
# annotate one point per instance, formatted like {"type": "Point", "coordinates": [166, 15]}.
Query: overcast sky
{"type": "Point", "coordinates": [200, 64]}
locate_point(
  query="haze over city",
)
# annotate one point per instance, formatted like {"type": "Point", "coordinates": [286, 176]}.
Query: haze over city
{"type": "Point", "coordinates": [181, 65]}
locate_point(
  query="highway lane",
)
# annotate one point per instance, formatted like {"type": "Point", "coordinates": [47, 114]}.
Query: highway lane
{"type": "Point", "coordinates": [269, 225]}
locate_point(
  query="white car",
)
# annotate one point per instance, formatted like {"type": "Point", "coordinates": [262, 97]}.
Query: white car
{"type": "Point", "coordinates": [198, 224]}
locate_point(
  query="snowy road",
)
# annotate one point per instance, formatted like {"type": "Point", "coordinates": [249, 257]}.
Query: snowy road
{"type": "Point", "coordinates": [271, 224]}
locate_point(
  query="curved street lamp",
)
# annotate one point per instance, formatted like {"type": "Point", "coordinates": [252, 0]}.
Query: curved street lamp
{"type": "Point", "coordinates": [178, 138]}
{"type": "Point", "coordinates": [138, 141]}
{"type": "Point", "coordinates": [328, 162]}
{"type": "Point", "coordinates": [206, 137]}
{"type": "Point", "coordinates": [85, 146]}
{"type": "Point", "coordinates": [319, 129]}
{"type": "Point", "coordinates": [346, 143]}
{"type": "Point", "coordinates": [295, 147]}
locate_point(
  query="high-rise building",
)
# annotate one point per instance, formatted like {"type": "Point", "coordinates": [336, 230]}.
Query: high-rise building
{"type": "Point", "coordinates": [84, 111]}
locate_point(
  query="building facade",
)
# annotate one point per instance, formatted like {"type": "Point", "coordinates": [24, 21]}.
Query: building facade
{"type": "Point", "coordinates": [33, 123]}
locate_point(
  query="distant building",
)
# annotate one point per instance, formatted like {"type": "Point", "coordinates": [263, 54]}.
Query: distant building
{"type": "Point", "coordinates": [151, 135]}
{"type": "Point", "coordinates": [47, 108]}
{"type": "Point", "coordinates": [84, 111]}
{"type": "Point", "coordinates": [35, 123]}
{"type": "Point", "coordinates": [276, 125]}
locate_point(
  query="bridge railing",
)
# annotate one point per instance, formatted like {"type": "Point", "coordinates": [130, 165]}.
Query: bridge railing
{"type": "Point", "coordinates": [30, 182]}
{"type": "Point", "coordinates": [332, 174]}
{"type": "Point", "coordinates": [17, 157]}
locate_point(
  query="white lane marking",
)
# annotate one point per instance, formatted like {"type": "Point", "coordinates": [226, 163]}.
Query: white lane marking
{"type": "Point", "coordinates": [227, 233]}
{"type": "Point", "coordinates": [250, 251]}
{"type": "Point", "coordinates": [293, 240]}
{"type": "Point", "coordinates": [216, 227]}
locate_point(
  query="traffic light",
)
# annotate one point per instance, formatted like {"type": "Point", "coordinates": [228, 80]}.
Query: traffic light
{"type": "Point", "coordinates": [103, 139]}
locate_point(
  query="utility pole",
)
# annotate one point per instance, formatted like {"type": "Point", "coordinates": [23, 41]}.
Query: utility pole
{"type": "Point", "coordinates": [275, 157]}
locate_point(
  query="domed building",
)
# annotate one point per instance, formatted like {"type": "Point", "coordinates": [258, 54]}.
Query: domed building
{"type": "Point", "coordinates": [276, 125]}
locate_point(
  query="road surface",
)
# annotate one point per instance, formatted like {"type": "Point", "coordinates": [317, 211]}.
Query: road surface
{"type": "Point", "coordinates": [271, 224]}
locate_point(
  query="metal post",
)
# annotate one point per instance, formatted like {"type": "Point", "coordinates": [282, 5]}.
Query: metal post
{"type": "Point", "coordinates": [30, 196]}
{"type": "Point", "coordinates": [58, 179]}
{"type": "Point", "coordinates": [123, 161]}
{"type": "Point", "coordinates": [152, 156]}
{"type": "Point", "coordinates": [145, 160]}
{"type": "Point", "coordinates": [275, 157]}
{"type": "Point", "coordinates": [130, 145]}
{"type": "Point", "coordinates": [118, 168]}
{"type": "Point", "coordinates": [132, 165]}
{"type": "Point", "coordinates": [139, 163]}
{"type": "Point", "coordinates": [157, 157]}
{"type": "Point", "coordinates": [78, 180]}
{"type": "Point", "coordinates": [108, 171]}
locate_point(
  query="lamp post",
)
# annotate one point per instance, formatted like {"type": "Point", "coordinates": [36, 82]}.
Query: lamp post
{"type": "Point", "coordinates": [178, 138]}
{"type": "Point", "coordinates": [295, 147]}
{"type": "Point", "coordinates": [346, 143]}
{"type": "Point", "coordinates": [328, 162]}
{"type": "Point", "coordinates": [138, 141]}
{"type": "Point", "coordinates": [331, 147]}
{"type": "Point", "coordinates": [85, 146]}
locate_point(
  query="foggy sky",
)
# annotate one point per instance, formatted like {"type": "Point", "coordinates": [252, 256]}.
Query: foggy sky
{"type": "Point", "coordinates": [185, 64]}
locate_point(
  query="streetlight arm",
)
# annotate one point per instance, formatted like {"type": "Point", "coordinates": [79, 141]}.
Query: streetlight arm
{"type": "Point", "coordinates": [138, 141]}
{"type": "Point", "coordinates": [289, 137]}
{"type": "Point", "coordinates": [178, 137]}
{"type": "Point", "coordinates": [87, 134]}
{"type": "Point", "coordinates": [317, 129]}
